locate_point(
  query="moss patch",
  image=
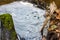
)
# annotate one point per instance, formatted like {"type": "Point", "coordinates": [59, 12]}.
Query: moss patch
{"type": "Point", "coordinates": [8, 25]}
{"type": "Point", "coordinates": [7, 21]}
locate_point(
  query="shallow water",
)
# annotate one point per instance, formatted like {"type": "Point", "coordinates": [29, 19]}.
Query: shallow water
{"type": "Point", "coordinates": [28, 20]}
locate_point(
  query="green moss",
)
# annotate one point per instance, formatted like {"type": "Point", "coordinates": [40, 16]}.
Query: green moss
{"type": "Point", "coordinates": [7, 21]}
{"type": "Point", "coordinates": [8, 24]}
{"type": "Point", "coordinates": [13, 34]}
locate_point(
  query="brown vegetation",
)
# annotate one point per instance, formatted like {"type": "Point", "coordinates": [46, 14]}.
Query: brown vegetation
{"type": "Point", "coordinates": [56, 1]}
{"type": "Point", "coordinates": [6, 1]}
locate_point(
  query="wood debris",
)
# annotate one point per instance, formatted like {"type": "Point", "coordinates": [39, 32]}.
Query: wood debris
{"type": "Point", "coordinates": [54, 24]}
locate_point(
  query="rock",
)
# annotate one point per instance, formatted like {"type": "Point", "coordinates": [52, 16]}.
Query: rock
{"type": "Point", "coordinates": [7, 28]}
{"type": "Point", "coordinates": [26, 25]}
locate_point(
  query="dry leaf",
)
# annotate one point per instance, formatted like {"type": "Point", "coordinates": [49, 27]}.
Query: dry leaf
{"type": "Point", "coordinates": [58, 14]}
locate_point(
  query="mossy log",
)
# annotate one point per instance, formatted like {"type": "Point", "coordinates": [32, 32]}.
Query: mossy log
{"type": "Point", "coordinates": [7, 28]}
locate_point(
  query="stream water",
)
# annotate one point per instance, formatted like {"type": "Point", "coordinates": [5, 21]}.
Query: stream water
{"type": "Point", "coordinates": [28, 19]}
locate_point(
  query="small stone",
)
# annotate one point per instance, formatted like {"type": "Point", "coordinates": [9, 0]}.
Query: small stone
{"type": "Point", "coordinates": [34, 16]}
{"type": "Point", "coordinates": [38, 17]}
